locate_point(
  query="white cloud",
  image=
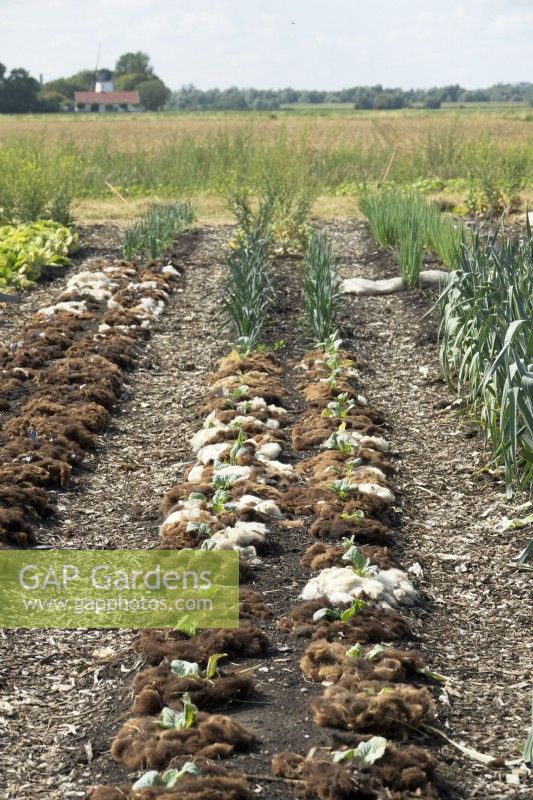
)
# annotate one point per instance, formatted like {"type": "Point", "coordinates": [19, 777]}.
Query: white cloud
{"type": "Point", "coordinates": [332, 43]}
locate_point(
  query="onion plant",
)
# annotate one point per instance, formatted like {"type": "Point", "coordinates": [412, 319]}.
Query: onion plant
{"type": "Point", "coordinates": [486, 333]}
{"type": "Point", "coordinates": [321, 286]}
{"type": "Point", "coordinates": [246, 292]}
{"type": "Point", "coordinates": [407, 222]}
{"type": "Point", "coordinates": [156, 230]}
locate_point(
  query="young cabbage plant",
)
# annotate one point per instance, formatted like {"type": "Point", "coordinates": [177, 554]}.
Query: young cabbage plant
{"type": "Point", "coordinates": [339, 613]}
{"type": "Point", "coordinates": [353, 516]}
{"type": "Point", "coordinates": [179, 720]}
{"type": "Point", "coordinates": [235, 396]}
{"type": "Point", "coordinates": [219, 501]}
{"type": "Point", "coordinates": [167, 779]}
{"type": "Point", "coordinates": [370, 751]}
{"type": "Point", "coordinates": [196, 499]}
{"type": "Point", "coordinates": [358, 562]}
{"type": "Point", "coordinates": [340, 407]}
{"type": "Point", "coordinates": [343, 488]}
{"type": "Point", "coordinates": [190, 669]}
{"type": "Point", "coordinates": [221, 483]}
{"type": "Point", "coordinates": [340, 440]}
{"type": "Point", "coordinates": [202, 527]}
{"type": "Point", "coordinates": [237, 448]}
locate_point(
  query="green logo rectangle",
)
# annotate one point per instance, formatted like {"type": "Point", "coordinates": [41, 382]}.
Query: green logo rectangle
{"type": "Point", "coordinates": [119, 589]}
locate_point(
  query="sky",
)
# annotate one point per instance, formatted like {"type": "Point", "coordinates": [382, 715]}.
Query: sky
{"type": "Point", "coordinates": [313, 44]}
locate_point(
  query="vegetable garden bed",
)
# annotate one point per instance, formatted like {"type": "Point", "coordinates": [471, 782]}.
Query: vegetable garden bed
{"type": "Point", "coordinates": [277, 711]}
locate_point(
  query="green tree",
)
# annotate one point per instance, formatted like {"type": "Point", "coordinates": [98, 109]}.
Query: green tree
{"type": "Point", "coordinates": [18, 91]}
{"type": "Point", "coordinates": [134, 63]}
{"type": "Point", "coordinates": [129, 81]}
{"type": "Point", "coordinates": [153, 94]}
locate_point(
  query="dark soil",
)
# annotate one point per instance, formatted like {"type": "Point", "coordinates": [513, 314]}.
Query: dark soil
{"type": "Point", "coordinates": [65, 693]}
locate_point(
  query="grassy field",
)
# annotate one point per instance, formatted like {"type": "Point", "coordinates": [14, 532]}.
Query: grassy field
{"type": "Point", "coordinates": [47, 159]}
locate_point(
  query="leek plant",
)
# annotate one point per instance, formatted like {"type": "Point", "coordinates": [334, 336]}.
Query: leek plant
{"type": "Point", "coordinates": [321, 286]}
{"type": "Point", "coordinates": [156, 230]}
{"type": "Point", "coordinates": [246, 292]}
{"type": "Point", "coordinates": [486, 333]}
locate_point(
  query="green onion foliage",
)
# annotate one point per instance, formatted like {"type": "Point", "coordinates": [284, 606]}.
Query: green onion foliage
{"type": "Point", "coordinates": [156, 230]}
{"type": "Point", "coordinates": [246, 292]}
{"type": "Point", "coordinates": [321, 286]}
{"type": "Point", "coordinates": [486, 332]}
{"type": "Point", "coordinates": [405, 221]}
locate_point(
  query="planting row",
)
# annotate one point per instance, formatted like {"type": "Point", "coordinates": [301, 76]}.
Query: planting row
{"type": "Point", "coordinates": [244, 492]}
{"type": "Point", "coordinates": [60, 380]}
{"type": "Point", "coordinates": [375, 692]}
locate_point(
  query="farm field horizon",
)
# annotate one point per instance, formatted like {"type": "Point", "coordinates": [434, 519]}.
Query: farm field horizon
{"type": "Point", "coordinates": [444, 152]}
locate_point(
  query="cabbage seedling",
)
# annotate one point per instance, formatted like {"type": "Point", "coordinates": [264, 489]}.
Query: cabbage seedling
{"type": "Point", "coordinates": [359, 563]}
{"type": "Point", "coordinates": [340, 407]}
{"type": "Point", "coordinates": [179, 720]}
{"type": "Point", "coordinates": [338, 613]}
{"type": "Point", "coordinates": [353, 516]}
{"type": "Point", "coordinates": [190, 669]}
{"type": "Point", "coordinates": [167, 779]}
{"type": "Point", "coordinates": [369, 751]}
{"type": "Point", "coordinates": [218, 503]}
{"type": "Point", "coordinates": [343, 488]}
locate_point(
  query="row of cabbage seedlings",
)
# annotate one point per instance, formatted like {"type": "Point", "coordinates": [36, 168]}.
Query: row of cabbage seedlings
{"type": "Point", "coordinates": [229, 499]}
{"type": "Point", "coordinates": [225, 501]}
{"type": "Point", "coordinates": [352, 610]}
{"type": "Point", "coordinates": [353, 602]}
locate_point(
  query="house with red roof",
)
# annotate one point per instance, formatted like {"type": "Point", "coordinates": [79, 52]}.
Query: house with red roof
{"type": "Point", "coordinates": [105, 97]}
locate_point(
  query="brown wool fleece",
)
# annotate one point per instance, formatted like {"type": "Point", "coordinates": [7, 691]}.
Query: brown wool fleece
{"type": "Point", "coordinates": [89, 392]}
{"type": "Point", "coordinates": [24, 449]}
{"type": "Point", "coordinates": [15, 530]}
{"type": "Point", "coordinates": [82, 370]}
{"type": "Point", "coordinates": [256, 363]}
{"type": "Point", "coordinates": [157, 687]}
{"type": "Point", "coordinates": [318, 395]}
{"type": "Point", "coordinates": [116, 348]}
{"type": "Point", "coordinates": [247, 641]}
{"type": "Point", "coordinates": [267, 388]}
{"type": "Point", "coordinates": [47, 472]}
{"type": "Point", "coordinates": [393, 713]}
{"type": "Point", "coordinates": [214, 783]}
{"type": "Point", "coordinates": [316, 358]}
{"type": "Point", "coordinates": [129, 319]}
{"type": "Point", "coordinates": [409, 769]}
{"type": "Point", "coordinates": [142, 744]}
{"type": "Point", "coordinates": [32, 501]}
{"type": "Point", "coordinates": [321, 555]}
{"type": "Point", "coordinates": [95, 418]}
{"type": "Point", "coordinates": [48, 426]}
{"type": "Point", "coordinates": [373, 624]}
{"type": "Point", "coordinates": [327, 661]}
{"type": "Point", "coordinates": [365, 530]}
{"type": "Point", "coordinates": [251, 605]}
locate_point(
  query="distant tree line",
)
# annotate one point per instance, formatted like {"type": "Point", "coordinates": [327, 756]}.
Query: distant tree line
{"type": "Point", "coordinates": [362, 97]}
{"type": "Point", "coordinates": [20, 92]}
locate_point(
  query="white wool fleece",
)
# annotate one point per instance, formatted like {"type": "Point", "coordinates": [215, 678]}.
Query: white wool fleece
{"type": "Point", "coordinates": [377, 490]}
{"type": "Point", "coordinates": [390, 587]}
{"type": "Point", "coordinates": [76, 307]}
{"type": "Point", "coordinates": [267, 507]}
